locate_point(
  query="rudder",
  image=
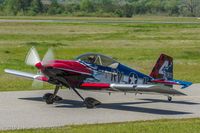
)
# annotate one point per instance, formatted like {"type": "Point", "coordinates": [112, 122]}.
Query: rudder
{"type": "Point", "coordinates": [163, 68]}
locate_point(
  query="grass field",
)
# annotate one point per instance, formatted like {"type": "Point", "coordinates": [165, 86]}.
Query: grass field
{"type": "Point", "coordinates": [135, 18]}
{"type": "Point", "coordinates": [156, 126]}
{"type": "Point", "coordinates": [135, 44]}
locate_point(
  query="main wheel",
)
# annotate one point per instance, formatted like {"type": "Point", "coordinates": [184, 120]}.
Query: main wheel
{"type": "Point", "coordinates": [91, 102]}
{"type": "Point", "coordinates": [169, 98]}
{"type": "Point", "coordinates": [58, 98]}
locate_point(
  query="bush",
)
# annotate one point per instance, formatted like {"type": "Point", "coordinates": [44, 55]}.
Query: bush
{"type": "Point", "coordinates": [55, 8]}
{"type": "Point", "coordinates": [106, 8]}
{"type": "Point", "coordinates": [119, 12]}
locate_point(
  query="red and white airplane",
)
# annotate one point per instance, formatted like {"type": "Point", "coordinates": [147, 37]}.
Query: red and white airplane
{"type": "Point", "coordinates": [93, 71]}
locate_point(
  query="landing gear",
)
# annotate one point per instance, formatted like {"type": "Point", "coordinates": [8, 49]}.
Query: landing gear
{"type": "Point", "coordinates": [169, 98]}
{"type": "Point", "coordinates": [89, 102]}
{"type": "Point", "coordinates": [51, 98]}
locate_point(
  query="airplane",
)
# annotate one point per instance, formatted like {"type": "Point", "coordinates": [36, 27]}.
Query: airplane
{"type": "Point", "coordinates": [97, 72]}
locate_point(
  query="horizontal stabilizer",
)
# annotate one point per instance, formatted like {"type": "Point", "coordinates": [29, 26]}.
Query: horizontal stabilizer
{"type": "Point", "coordinates": [184, 84]}
{"type": "Point", "coordinates": [159, 89]}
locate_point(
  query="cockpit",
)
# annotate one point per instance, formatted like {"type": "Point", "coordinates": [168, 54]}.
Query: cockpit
{"type": "Point", "coordinates": [98, 59]}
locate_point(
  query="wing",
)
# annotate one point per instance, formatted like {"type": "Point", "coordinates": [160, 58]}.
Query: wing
{"type": "Point", "coordinates": [26, 75]}
{"type": "Point", "coordinates": [132, 88]}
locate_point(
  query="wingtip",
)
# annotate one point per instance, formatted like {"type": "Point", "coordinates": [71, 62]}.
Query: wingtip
{"type": "Point", "coordinates": [6, 70]}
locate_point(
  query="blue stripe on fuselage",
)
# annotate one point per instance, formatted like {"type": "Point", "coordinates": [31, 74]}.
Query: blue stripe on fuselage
{"type": "Point", "coordinates": [127, 70]}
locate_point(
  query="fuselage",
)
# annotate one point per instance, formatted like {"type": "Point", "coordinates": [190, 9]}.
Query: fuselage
{"type": "Point", "coordinates": [78, 71]}
{"type": "Point", "coordinates": [97, 68]}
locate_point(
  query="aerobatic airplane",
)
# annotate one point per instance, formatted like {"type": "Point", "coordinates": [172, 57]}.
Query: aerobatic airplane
{"type": "Point", "coordinates": [93, 71]}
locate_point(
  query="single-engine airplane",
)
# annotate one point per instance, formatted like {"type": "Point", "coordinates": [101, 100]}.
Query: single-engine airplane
{"type": "Point", "coordinates": [93, 71]}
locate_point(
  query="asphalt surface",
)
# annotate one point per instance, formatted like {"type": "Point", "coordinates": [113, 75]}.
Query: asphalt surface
{"type": "Point", "coordinates": [26, 109]}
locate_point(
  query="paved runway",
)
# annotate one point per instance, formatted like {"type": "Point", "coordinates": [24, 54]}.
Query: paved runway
{"type": "Point", "coordinates": [26, 109]}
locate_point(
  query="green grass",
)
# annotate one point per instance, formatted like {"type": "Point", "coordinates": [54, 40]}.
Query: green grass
{"type": "Point", "coordinates": [135, 44]}
{"type": "Point", "coordinates": [135, 18]}
{"type": "Point", "coordinates": [155, 126]}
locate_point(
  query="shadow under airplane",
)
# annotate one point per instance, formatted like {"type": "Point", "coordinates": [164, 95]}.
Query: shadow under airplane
{"type": "Point", "coordinates": [164, 101]}
{"type": "Point", "coordinates": [127, 106]}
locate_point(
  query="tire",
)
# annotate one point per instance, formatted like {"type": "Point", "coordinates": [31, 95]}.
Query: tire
{"type": "Point", "coordinates": [45, 96]}
{"type": "Point", "coordinates": [89, 103]}
{"type": "Point", "coordinates": [169, 99]}
{"type": "Point", "coordinates": [57, 98]}
{"type": "Point", "coordinates": [50, 100]}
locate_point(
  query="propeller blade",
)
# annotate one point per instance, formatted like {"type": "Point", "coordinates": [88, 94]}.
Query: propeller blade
{"type": "Point", "coordinates": [49, 56]}
{"type": "Point", "coordinates": [37, 84]}
{"type": "Point", "coordinates": [32, 57]}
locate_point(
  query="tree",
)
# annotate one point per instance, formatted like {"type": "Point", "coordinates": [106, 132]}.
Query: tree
{"type": "Point", "coordinates": [36, 7]}
{"type": "Point", "coordinates": [119, 12]}
{"type": "Point", "coordinates": [13, 7]}
{"type": "Point", "coordinates": [1, 2]}
{"type": "Point", "coordinates": [105, 5]}
{"type": "Point", "coordinates": [55, 8]}
{"type": "Point", "coordinates": [128, 10]}
{"type": "Point", "coordinates": [171, 7]}
{"type": "Point", "coordinates": [87, 5]}
{"type": "Point", "coordinates": [1, 6]}
{"type": "Point", "coordinates": [139, 6]}
{"type": "Point", "coordinates": [72, 7]}
{"type": "Point", "coordinates": [153, 6]}
{"type": "Point", "coordinates": [121, 8]}
{"type": "Point", "coordinates": [190, 7]}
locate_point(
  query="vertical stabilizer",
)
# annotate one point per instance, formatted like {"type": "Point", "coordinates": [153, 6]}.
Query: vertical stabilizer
{"type": "Point", "coordinates": [163, 68]}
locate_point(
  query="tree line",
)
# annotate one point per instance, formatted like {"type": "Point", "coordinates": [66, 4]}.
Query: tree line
{"type": "Point", "coordinates": [116, 8]}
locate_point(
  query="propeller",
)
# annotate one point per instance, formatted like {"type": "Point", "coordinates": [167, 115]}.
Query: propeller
{"type": "Point", "coordinates": [37, 84]}
{"type": "Point", "coordinates": [48, 57]}
{"type": "Point", "coordinates": [33, 59]}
